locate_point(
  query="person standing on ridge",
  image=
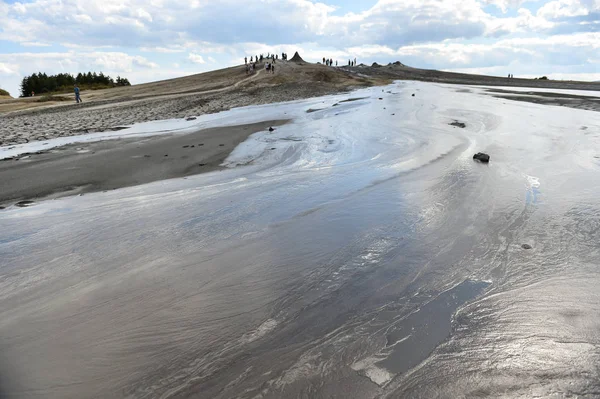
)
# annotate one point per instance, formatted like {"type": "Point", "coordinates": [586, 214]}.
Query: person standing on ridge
{"type": "Point", "coordinates": [246, 60]}
{"type": "Point", "coordinates": [77, 97]}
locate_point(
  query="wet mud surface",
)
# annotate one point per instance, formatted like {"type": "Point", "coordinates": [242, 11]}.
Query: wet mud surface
{"type": "Point", "coordinates": [348, 253]}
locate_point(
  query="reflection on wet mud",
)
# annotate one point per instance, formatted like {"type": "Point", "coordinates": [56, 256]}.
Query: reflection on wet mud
{"type": "Point", "coordinates": [366, 256]}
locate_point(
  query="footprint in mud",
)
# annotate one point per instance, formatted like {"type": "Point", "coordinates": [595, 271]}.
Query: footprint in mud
{"type": "Point", "coordinates": [25, 204]}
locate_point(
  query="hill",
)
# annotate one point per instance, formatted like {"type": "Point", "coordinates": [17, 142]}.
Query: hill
{"type": "Point", "coordinates": [29, 118]}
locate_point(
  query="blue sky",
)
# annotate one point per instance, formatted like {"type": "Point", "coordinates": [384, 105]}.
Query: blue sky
{"type": "Point", "coordinates": [147, 40]}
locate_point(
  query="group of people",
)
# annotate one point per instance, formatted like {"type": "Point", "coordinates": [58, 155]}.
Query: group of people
{"type": "Point", "coordinates": [329, 62]}
{"type": "Point", "coordinates": [272, 58]}
{"type": "Point", "coordinates": [269, 64]}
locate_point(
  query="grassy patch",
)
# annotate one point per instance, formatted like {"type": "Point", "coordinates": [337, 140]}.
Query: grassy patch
{"type": "Point", "coordinates": [4, 93]}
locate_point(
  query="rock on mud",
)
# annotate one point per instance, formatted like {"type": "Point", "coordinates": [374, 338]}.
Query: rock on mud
{"type": "Point", "coordinates": [481, 157]}
{"type": "Point", "coordinates": [24, 204]}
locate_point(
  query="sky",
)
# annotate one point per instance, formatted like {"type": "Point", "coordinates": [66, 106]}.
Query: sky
{"type": "Point", "coordinates": [149, 40]}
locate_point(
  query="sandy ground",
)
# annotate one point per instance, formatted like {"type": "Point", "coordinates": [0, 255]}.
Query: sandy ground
{"type": "Point", "coordinates": [26, 120]}
{"type": "Point", "coordinates": [112, 164]}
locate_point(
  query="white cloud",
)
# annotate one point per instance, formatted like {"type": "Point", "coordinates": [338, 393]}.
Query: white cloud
{"type": "Point", "coordinates": [196, 58]}
{"type": "Point", "coordinates": [8, 69]}
{"type": "Point", "coordinates": [562, 8]}
{"type": "Point", "coordinates": [198, 34]}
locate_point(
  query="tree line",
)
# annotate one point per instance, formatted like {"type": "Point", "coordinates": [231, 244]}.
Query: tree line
{"type": "Point", "coordinates": [41, 83]}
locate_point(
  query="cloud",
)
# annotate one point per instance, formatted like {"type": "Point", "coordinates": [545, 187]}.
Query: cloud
{"type": "Point", "coordinates": [563, 8]}
{"type": "Point", "coordinates": [196, 58]}
{"type": "Point", "coordinates": [175, 23]}
{"type": "Point", "coordinates": [108, 35]}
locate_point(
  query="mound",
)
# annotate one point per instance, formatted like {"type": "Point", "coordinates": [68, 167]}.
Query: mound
{"type": "Point", "coordinates": [297, 58]}
{"type": "Point", "coordinates": [376, 65]}
{"type": "Point", "coordinates": [4, 94]}
{"type": "Point", "coordinates": [398, 63]}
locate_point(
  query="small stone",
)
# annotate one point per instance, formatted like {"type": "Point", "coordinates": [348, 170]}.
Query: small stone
{"type": "Point", "coordinates": [24, 204]}
{"type": "Point", "coordinates": [481, 157]}
{"type": "Point", "coordinates": [186, 146]}
{"type": "Point", "coordinates": [413, 94]}
{"type": "Point", "coordinates": [192, 146]}
{"type": "Point", "coordinates": [271, 129]}
{"type": "Point", "coordinates": [526, 246]}
{"type": "Point", "coordinates": [1, 207]}
{"type": "Point", "coordinates": [200, 145]}
{"type": "Point", "coordinates": [273, 148]}
{"type": "Point", "coordinates": [221, 145]}
{"type": "Point", "coordinates": [380, 98]}
{"type": "Point", "coordinates": [191, 118]}
{"type": "Point", "coordinates": [201, 164]}
{"type": "Point", "coordinates": [166, 155]}
{"type": "Point", "coordinates": [458, 124]}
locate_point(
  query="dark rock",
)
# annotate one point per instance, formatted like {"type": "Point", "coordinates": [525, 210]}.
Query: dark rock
{"type": "Point", "coordinates": [380, 98]}
{"type": "Point", "coordinates": [24, 204]}
{"type": "Point", "coordinates": [221, 145]}
{"type": "Point", "coordinates": [526, 246]}
{"type": "Point", "coordinates": [1, 207]}
{"type": "Point", "coordinates": [200, 145]}
{"type": "Point", "coordinates": [271, 129]}
{"type": "Point", "coordinates": [201, 164]}
{"type": "Point", "coordinates": [193, 146]}
{"type": "Point", "coordinates": [481, 157]}
{"type": "Point", "coordinates": [273, 148]}
{"type": "Point", "coordinates": [413, 94]}
{"type": "Point", "coordinates": [191, 118]}
{"type": "Point", "coordinates": [458, 124]}
{"type": "Point", "coordinates": [186, 146]}
{"type": "Point", "coordinates": [166, 155]}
